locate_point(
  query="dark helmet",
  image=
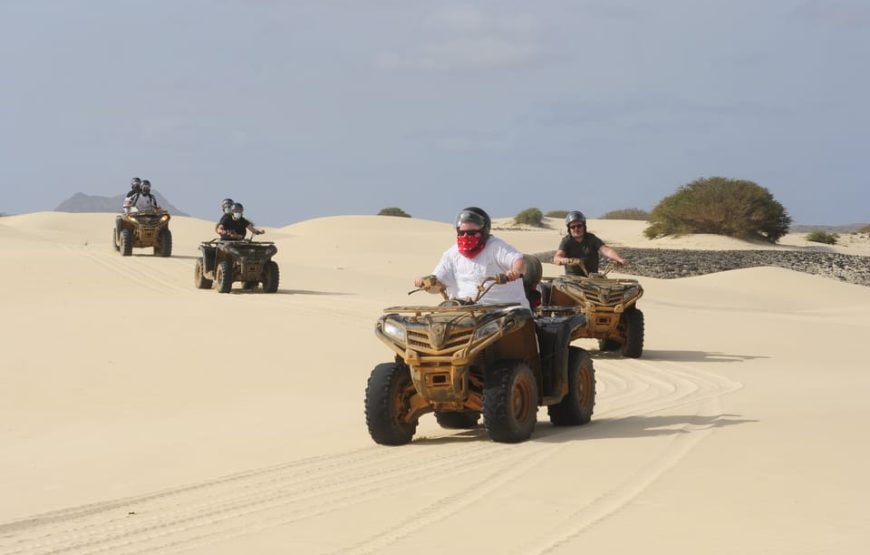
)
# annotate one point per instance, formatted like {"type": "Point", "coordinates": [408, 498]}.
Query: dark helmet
{"type": "Point", "coordinates": [237, 207]}
{"type": "Point", "coordinates": [477, 216]}
{"type": "Point", "coordinates": [574, 216]}
{"type": "Point", "coordinates": [135, 182]}
{"type": "Point", "coordinates": [146, 186]}
{"type": "Point", "coordinates": [227, 202]}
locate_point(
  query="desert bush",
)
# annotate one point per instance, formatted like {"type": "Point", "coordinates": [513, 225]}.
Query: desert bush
{"type": "Point", "coordinates": [393, 211]}
{"type": "Point", "coordinates": [865, 229]}
{"type": "Point", "coordinates": [822, 236]}
{"type": "Point", "coordinates": [732, 207]}
{"type": "Point", "coordinates": [627, 214]}
{"type": "Point", "coordinates": [556, 213]}
{"type": "Point", "coordinates": [530, 216]}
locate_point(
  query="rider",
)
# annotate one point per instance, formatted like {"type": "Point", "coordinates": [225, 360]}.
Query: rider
{"type": "Point", "coordinates": [226, 208]}
{"type": "Point", "coordinates": [477, 255]}
{"type": "Point", "coordinates": [233, 225]}
{"type": "Point", "coordinates": [135, 187]}
{"type": "Point", "coordinates": [582, 245]}
{"type": "Point", "coordinates": [142, 201]}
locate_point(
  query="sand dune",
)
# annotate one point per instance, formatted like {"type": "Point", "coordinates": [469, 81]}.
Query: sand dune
{"type": "Point", "coordinates": [140, 414]}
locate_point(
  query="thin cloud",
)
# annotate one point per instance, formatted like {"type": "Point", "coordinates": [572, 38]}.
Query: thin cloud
{"type": "Point", "coordinates": [465, 38]}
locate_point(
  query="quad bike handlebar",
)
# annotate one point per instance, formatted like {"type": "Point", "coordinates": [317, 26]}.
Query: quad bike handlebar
{"type": "Point", "coordinates": [431, 283]}
{"type": "Point", "coordinates": [609, 267]}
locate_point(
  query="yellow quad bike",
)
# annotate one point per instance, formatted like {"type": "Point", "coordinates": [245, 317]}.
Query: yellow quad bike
{"type": "Point", "coordinates": [462, 359]}
{"type": "Point", "coordinates": [224, 262]}
{"type": "Point", "coordinates": [610, 306]}
{"type": "Point", "coordinates": [143, 230]}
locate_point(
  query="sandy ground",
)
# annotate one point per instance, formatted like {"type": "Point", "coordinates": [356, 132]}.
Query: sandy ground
{"type": "Point", "coordinates": [141, 415]}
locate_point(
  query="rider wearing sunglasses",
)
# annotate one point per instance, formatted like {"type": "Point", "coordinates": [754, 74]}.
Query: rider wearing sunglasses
{"type": "Point", "coordinates": [477, 255]}
{"type": "Point", "coordinates": [580, 244]}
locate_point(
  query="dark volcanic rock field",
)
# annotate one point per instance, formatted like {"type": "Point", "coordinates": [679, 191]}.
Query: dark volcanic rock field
{"type": "Point", "coordinates": [662, 263]}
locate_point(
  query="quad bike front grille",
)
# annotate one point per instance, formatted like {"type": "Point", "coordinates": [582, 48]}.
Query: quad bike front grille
{"type": "Point", "coordinates": [436, 342]}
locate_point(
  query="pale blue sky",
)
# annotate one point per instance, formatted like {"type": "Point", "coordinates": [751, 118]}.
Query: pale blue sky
{"type": "Point", "coordinates": [303, 109]}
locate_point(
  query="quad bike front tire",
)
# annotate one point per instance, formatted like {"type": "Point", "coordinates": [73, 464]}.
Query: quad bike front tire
{"type": "Point", "coordinates": [126, 247]}
{"type": "Point", "coordinates": [199, 278]}
{"type": "Point", "coordinates": [577, 406]}
{"type": "Point", "coordinates": [450, 420]}
{"type": "Point", "coordinates": [510, 402]}
{"type": "Point", "coordinates": [115, 240]}
{"type": "Point", "coordinates": [388, 394]}
{"type": "Point", "coordinates": [633, 346]}
{"type": "Point", "coordinates": [224, 276]}
{"type": "Point", "coordinates": [271, 276]}
{"type": "Point", "coordinates": [164, 244]}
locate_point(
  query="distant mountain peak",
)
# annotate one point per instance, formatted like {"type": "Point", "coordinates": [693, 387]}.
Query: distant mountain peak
{"type": "Point", "coordinates": [81, 202]}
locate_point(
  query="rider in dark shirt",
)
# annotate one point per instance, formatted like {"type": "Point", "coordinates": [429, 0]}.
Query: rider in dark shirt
{"type": "Point", "coordinates": [234, 225]}
{"type": "Point", "coordinates": [581, 245]}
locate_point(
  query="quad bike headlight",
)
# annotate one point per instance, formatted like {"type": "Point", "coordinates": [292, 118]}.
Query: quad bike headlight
{"type": "Point", "coordinates": [395, 331]}
{"type": "Point", "coordinates": [164, 217]}
{"type": "Point", "coordinates": [487, 330]}
{"type": "Point", "coordinates": [630, 292]}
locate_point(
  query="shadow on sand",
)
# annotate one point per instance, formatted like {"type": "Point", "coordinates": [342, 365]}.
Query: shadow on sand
{"type": "Point", "coordinates": [606, 428]}
{"type": "Point", "coordinates": [678, 356]}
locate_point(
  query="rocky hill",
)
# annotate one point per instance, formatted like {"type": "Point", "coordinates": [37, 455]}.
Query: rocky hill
{"type": "Point", "coordinates": [81, 202]}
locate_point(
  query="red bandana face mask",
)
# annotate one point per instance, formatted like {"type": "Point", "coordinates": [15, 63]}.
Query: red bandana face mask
{"type": "Point", "coordinates": [469, 245]}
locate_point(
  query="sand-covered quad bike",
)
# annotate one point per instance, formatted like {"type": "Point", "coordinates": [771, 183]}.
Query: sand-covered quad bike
{"type": "Point", "coordinates": [142, 230]}
{"type": "Point", "coordinates": [247, 261]}
{"type": "Point", "coordinates": [462, 359]}
{"type": "Point", "coordinates": [610, 306]}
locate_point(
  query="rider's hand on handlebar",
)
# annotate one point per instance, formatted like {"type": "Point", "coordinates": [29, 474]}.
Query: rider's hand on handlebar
{"type": "Point", "coordinates": [512, 275]}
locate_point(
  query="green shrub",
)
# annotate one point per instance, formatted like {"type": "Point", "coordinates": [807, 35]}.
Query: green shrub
{"type": "Point", "coordinates": [530, 216]}
{"type": "Point", "coordinates": [732, 207]}
{"type": "Point", "coordinates": [627, 214]}
{"type": "Point", "coordinates": [394, 211]}
{"type": "Point", "coordinates": [556, 213]}
{"type": "Point", "coordinates": [822, 236]}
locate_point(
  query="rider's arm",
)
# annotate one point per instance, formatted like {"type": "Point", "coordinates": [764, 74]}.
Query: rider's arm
{"type": "Point", "coordinates": [255, 230]}
{"type": "Point", "coordinates": [559, 258]}
{"type": "Point", "coordinates": [611, 254]}
{"type": "Point", "coordinates": [518, 268]}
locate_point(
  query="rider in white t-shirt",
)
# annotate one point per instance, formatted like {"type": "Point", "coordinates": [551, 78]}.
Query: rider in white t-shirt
{"type": "Point", "coordinates": [477, 255]}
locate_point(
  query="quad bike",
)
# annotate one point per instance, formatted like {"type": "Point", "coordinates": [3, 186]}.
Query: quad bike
{"type": "Point", "coordinates": [462, 359]}
{"type": "Point", "coordinates": [610, 306]}
{"type": "Point", "coordinates": [244, 260]}
{"type": "Point", "coordinates": [143, 230]}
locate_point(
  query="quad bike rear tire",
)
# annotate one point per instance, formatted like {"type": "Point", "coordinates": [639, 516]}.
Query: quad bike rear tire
{"type": "Point", "coordinates": [164, 244]}
{"type": "Point", "coordinates": [510, 402]}
{"type": "Point", "coordinates": [224, 276]}
{"type": "Point", "coordinates": [271, 276]}
{"type": "Point", "coordinates": [199, 278]}
{"type": "Point", "coordinates": [126, 247]}
{"type": "Point", "coordinates": [633, 346]}
{"type": "Point", "coordinates": [388, 394]}
{"type": "Point", "coordinates": [577, 406]}
{"type": "Point", "coordinates": [465, 420]}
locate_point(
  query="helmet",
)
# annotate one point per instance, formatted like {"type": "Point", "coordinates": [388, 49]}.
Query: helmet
{"type": "Point", "coordinates": [135, 182]}
{"type": "Point", "coordinates": [227, 205]}
{"type": "Point", "coordinates": [146, 186]}
{"type": "Point", "coordinates": [574, 216]}
{"type": "Point", "coordinates": [477, 216]}
{"type": "Point", "coordinates": [237, 210]}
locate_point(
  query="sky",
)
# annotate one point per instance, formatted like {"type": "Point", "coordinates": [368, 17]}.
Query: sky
{"type": "Point", "coordinates": [311, 108]}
